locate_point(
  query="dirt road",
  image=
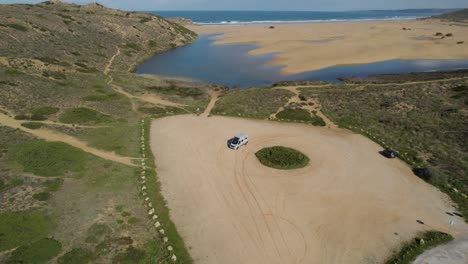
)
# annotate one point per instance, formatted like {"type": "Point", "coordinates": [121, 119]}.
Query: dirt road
{"type": "Point", "coordinates": [350, 205]}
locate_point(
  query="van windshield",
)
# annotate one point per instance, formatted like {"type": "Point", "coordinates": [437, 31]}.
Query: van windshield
{"type": "Point", "coordinates": [235, 141]}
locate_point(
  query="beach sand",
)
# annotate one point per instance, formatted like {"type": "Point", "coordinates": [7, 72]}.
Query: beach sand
{"type": "Point", "coordinates": [314, 46]}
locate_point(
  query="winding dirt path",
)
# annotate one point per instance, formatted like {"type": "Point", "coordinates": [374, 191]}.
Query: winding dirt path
{"type": "Point", "coordinates": [50, 135]}
{"type": "Point", "coordinates": [111, 61]}
{"type": "Point", "coordinates": [214, 97]}
{"type": "Point", "coordinates": [315, 107]}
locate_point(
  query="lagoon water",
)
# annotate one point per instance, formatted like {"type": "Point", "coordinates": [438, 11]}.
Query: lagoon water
{"type": "Point", "coordinates": [230, 64]}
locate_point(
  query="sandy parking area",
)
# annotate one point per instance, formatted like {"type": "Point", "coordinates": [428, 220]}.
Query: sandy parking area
{"type": "Point", "coordinates": [350, 205]}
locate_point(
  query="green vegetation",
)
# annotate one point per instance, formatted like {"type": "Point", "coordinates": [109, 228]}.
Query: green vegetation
{"type": "Point", "coordinates": [49, 158]}
{"type": "Point", "coordinates": [17, 229]}
{"type": "Point", "coordinates": [131, 255]}
{"type": "Point", "coordinates": [121, 139]}
{"type": "Point", "coordinates": [101, 97]}
{"type": "Point", "coordinates": [411, 250]}
{"type": "Point", "coordinates": [15, 26]}
{"type": "Point", "coordinates": [295, 114]}
{"type": "Point", "coordinates": [42, 196]}
{"type": "Point", "coordinates": [282, 158]}
{"type": "Point", "coordinates": [251, 103]}
{"type": "Point", "coordinates": [32, 125]}
{"type": "Point", "coordinates": [39, 251]}
{"type": "Point", "coordinates": [45, 110]}
{"type": "Point", "coordinates": [458, 15]}
{"type": "Point", "coordinates": [76, 256]}
{"type": "Point", "coordinates": [55, 75]}
{"type": "Point", "coordinates": [85, 116]}
{"type": "Point", "coordinates": [298, 114]}
{"type": "Point", "coordinates": [53, 185]}
{"type": "Point", "coordinates": [172, 89]}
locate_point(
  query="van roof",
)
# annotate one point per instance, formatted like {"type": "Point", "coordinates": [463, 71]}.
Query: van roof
{"type": "Point", "coordinates": [242, 135]}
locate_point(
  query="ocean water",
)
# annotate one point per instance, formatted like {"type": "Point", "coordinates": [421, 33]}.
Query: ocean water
{"type": "Point", "coordinates": [268, 17]}
{"type": "Point", "coordinates": [230, 64]}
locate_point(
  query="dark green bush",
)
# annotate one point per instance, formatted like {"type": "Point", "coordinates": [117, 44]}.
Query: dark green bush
{"type": "Point", "coordinates": [22, 117]}
{"type": "Point", "coordinates": [45, 110]}
{"type": "Point", "coordinates": [17, 27]}
{"type": "Point", "coordinates": [42, 196]}
{"type": "Point", "coordinates": [295, 114]}
{"type": "Point", "coordinates": [279, 157]}
{"type": "Point", "coordinates": [32, 125]}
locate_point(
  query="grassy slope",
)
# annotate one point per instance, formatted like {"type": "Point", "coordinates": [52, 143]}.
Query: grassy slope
{"type": "Point", "coordinates": [52, 62]}
{"type": "Point", "coordinates": [459, 15]}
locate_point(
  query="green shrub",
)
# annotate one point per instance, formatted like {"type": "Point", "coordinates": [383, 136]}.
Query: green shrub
{"type": "Point", "coordinates": [22, 117]}
{"type": "Point", "coordinates": [39, 251]}
{"type": "Point", "coordinates": [53, 185]}
{"type": "Point", "coordinates": [131, 255]}
{"type": "Point", "coordinates": [37, 117]}
{"type": "Point", "coordinates": [76, 256]}
{"type": "Point", "coordinates": [42, 196]}
{"type": "Point", "coordinates": [17, 229]}
{"type": "Point", "coordinates": [318, 121]}
{"type": "Point", "coordinates": [45, 110]}
{"type": "Point", "coordinates": [279, 157]}
{"type": "Point", "coordinates": [49, 158]}
{"type": "Point", "coordinates": [145, 19]}
{"type": "Point", "coordinates": [99, 230]}
{"type": "Point", "coordinates": [100, 97]}
{"type": "Point", "coordinates": [17, 27]}
{"type": "Point", "coordinates": [83, 115]}
{"type": "Point", "coordinates": [132, 46]}
{"type": "Point", "coordinates": [295, 114]}
{"type": "Point", "coordinates": [12, 72]}
{"type": "Point", "coordinates": [460, 88]}
{"type": "Point", "coordinates": [32, 125]}
{"type": "Point", "coordinates": [54, 74]}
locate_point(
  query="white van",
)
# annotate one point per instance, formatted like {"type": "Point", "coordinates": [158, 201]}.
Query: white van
{"type": "Point", "coordinates": [239, 140]}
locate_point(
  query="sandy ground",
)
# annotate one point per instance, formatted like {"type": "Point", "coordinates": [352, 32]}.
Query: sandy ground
{"type": "Point", "coordinates": [307, 47]}
{"type": "Point", "coordinates": [455, 252]}
{"type": "Point", "coordinates": [349, 205]}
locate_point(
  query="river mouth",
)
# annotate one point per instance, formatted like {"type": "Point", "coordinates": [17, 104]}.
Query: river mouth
{"type": "Point", "coordinates": [230, 64]}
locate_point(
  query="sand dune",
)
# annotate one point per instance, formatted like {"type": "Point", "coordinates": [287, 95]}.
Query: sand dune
{"type": "Point", "coordinates": [307, 47]}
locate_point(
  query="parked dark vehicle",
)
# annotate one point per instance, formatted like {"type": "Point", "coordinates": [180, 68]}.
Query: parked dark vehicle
{"type": "Point", "coordinates": [423, 173]}
{"type": "Point", "coordinates": [388, 153]}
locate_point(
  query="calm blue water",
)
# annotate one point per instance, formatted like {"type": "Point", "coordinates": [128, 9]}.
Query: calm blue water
{"type": "Point", "coordinates": [231, 65]}
{"type": "Point", "coordinates": [263, 17]}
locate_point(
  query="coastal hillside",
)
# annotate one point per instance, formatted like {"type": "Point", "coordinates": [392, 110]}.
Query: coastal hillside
{"type": "Point", "coordinates": [458, 16]}
{"type": "Point", "coordinates": [73, 151]}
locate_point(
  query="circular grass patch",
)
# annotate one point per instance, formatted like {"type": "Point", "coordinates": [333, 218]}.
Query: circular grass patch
{"type": "Point", "coordinates": [282, 158]}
